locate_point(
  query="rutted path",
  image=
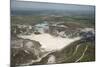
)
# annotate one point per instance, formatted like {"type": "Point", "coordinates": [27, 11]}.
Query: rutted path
{"type": "Point", "coordinates": [76, 49]}
{"type": "Point", "coordinates": [82, 54]}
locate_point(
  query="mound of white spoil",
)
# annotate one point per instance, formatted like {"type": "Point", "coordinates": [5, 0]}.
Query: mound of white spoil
{"type": "Point", "coordinates": [50, 42]}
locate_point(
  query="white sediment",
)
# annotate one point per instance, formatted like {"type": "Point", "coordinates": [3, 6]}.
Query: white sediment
{"type": "Point", "coordinates": [50, 42]}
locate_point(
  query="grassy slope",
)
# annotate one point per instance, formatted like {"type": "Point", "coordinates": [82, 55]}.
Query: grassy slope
{"type": "Point", "coordinates": [68, 54]}
{"type": "Point", "coordinates": [25, 19]}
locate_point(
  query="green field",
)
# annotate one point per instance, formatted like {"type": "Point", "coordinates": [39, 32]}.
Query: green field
{"type": "Point", "coordinates": [31, 20]}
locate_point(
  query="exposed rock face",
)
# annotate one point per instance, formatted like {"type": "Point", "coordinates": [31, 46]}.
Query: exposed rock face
{"type": "Point", "coordinates": [24, 50]}
{"type": "Point", "coordinates": [21, 56]}
{"type": "Point", "coordinates": [62, 29]}
{"type": "Point", "coordinates": [88, 34]}
{"type": "Point", "coordinates": [51, 59]}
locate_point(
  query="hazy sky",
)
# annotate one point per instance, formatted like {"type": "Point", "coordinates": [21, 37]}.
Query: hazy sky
{"type": "Point", "coordinates": [85, 2]}
{"type": "Point", "coordinates": [21, 5]}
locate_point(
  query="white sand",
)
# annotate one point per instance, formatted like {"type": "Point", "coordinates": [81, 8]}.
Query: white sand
{"type": "Point", "coordinates": [50, 42]}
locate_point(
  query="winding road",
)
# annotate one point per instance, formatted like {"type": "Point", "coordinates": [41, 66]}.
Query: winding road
{"type": "Point", "coordinates": [82, 54]}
